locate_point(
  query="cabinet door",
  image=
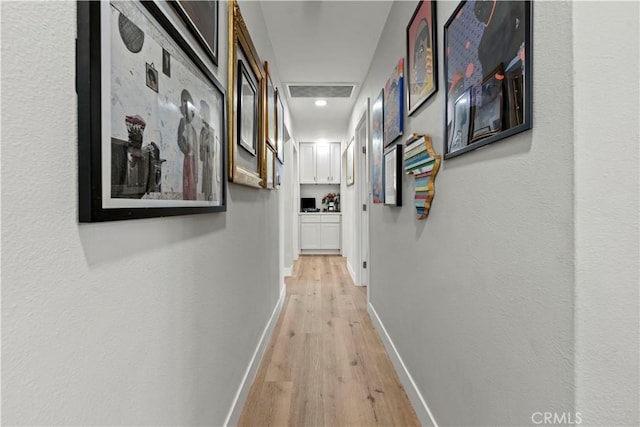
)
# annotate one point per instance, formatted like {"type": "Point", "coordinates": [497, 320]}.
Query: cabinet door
{"type": "Point", "coordinates": [323, 163]}
{"type": "Point", "coordinates": [307, 164]}
{"type": "Point", "coordinates": [330, 235]}
{"type": "Point", "coordinates": [336, 157]}
{"type": "Point", "coordinates": [310, 236]}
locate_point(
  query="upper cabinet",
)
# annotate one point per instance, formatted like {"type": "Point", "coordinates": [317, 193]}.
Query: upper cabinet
{"type": "Point", "coordinates": [320, 163]}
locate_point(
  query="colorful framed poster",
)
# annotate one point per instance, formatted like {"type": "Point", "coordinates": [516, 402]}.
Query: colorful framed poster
{"type": "Point", "coordinates": [150, 143]}
{"type": "Point", "coordinates": [393, 105]}
{"type": "Point", "coordinates": [377, 135]}
{"type": "Point", "coordinates": [245, 140]}
{"type": "Point", "coordinates": [422, 55]}
{"type": "Point", "coordinates": [392, 175]}
{"type": "Point", "coordinates": [201, 17]}
{"type": "Point", "coordinates": [488, 74]}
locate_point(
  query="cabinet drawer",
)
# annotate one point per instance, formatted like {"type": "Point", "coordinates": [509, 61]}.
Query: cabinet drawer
{"type": "Point", "coordinates": [309, 218]}
{"type": "Point", "coordinates": [329, 218]}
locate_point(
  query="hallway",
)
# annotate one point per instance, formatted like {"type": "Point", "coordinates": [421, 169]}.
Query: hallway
{"type": "Point", "coordinates": [325, 364]}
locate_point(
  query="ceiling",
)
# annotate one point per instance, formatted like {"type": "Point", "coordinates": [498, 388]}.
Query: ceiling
{"type": "Point", "coordinates": [323, 42]}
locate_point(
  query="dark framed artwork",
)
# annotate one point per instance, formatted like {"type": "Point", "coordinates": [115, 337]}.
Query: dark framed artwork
{"type": "Point", "coordinates": [248, 101]}
{"type": "Point", "coordinates": [281, 132]}
{"type": "Point", "coordinates": [377, 135]}
{"type": "Point", "coordinates": [422, 55]}
{"type": "Point", "coordinates": [270, 109]}
{"type": "Point", "coordinates": [488, 73]}
{"type": "Point", "coordinates": [145, 153]}
{"type": "Point", "coordinates": [393, 105]}
{"type": "Point", "coordinates": [245, 167]}
{"type": "Point", "coordinates": [392, 175]}
{"type": "Point", "coordinates": [201, 17]}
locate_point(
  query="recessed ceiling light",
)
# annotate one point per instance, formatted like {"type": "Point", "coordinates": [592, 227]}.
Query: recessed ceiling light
{"type": "Point", "coordinates": [321, 102]}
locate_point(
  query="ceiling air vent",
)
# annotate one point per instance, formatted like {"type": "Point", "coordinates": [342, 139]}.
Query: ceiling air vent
{"type": "Point", "coordinates": [320, 90]}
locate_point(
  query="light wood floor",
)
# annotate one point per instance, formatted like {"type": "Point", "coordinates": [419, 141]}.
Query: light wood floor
{"type": "Point", "coordinates": [325, 364]}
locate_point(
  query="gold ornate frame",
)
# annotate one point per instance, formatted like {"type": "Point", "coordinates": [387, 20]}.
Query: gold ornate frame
{"type": "Point", "coordinates": [239, 36]}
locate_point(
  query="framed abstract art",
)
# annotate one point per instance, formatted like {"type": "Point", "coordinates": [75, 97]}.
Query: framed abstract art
{"type": "Point", "coordinates": [488, 74]}
{"type": "Point", "coordinates": [422, 55]}
{"type": "Point", "coordinates": [377, 135]}
{"type": "Point", "coordinates": [393, 106]}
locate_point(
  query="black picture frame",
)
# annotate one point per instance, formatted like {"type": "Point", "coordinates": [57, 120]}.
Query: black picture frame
{"type": "Point", "coordinates": [106, 198]}
{"type": "Point", "coordinates": [201, 18]}
{"type": "Point", "coordinates": [244, 76]}
{"type": "Point", "coordinates": [484, 40]}
{"type": "Point", "coordinates": [422, 55]}
{"type": "Point", "coordinates": [282, 135]}
{"type": "Point", "coordinates": [392, 171]}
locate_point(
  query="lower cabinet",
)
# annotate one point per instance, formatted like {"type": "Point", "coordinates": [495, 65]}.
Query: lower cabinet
{"type": "Point", "coordinates": [320, 232]}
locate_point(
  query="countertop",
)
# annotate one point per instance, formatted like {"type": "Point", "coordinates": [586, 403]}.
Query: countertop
{"type": "Point", "coordinates": [321, 213]}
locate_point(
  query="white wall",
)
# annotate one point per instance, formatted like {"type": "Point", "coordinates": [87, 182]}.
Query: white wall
{"type": "Point", "coordinates": [478, 299]}
{"type": "Point", "coordinates": [145, 322]}
{"type": "Point", "coordinates": [606, 215]}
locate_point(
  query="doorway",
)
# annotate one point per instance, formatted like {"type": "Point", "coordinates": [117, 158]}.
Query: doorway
{"type": "Point", "coordinates": [362, 194]}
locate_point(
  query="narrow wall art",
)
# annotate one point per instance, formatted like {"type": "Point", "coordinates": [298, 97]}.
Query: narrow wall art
{"type": "Point", "coordinates": [377, 135]}
{"type": "Point", "coordinates": [150, 142]}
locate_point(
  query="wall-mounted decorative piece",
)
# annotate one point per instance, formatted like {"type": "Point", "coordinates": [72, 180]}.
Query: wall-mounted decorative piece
{"type": "Point", "coordinates": [393, 175]}
{"type": "Point", "coordinates": [201, 17]}
{"type": "Point", "coordinates": [281, 131]}
{"type": "Point", "coordinates": [246, 124]}
{"type": "Point", "coordinates": [150, 144]}
{"type": "Point", "coordinates": [422, 56]}
{"type": "Point", "coordinates": [393, 105]}
{"type": "Point", "coordinates": [271, 170]}
{"type": "Point", "coordinates": [377, 135]}
{"type": "Point", "coordinates": [349, 163]}
{"type": "Point", "coordinates": [270, 109]}
{"type": "Point", "coordinates": [488, 73]}
{"type": "Point", "coordinates": [421, 161]}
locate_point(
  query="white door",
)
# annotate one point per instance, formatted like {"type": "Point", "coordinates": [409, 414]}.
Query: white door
{"type": "Point", "coordinates": [335, 163]}
{"type": "Point", "coordinates": [307, 163]}
{"type": "Point", "coordinates": [323, 163]}
{"type": "Point", "coordinates": [362, 180]}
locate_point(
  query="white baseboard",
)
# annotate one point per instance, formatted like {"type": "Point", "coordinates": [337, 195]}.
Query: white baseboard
{"type": "Point", "coordinates": [250, 374]}
{"type": "Point", "coordinates": [288, 271]}
{"type": "Point", "coordinates": [419, 405]}
{"type": "Point", "coordinates": [351, 272]}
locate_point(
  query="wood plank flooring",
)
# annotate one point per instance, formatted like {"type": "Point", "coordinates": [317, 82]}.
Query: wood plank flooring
{"type": "Point", "coordinates": [325, 364]}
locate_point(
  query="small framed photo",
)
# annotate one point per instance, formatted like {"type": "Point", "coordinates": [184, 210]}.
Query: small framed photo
{"type": "Point", "coordinates": [152, 77]}
{"type": "Point", "coordinates": [392, 175]}
{"type": "Point", "coordinates": [166, 63]}
{"type": "Point", "coordinates": [247, 109]}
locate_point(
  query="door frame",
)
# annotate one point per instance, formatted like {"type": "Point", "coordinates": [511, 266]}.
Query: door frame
{"type": "Point", "coordinates": [362, 195]}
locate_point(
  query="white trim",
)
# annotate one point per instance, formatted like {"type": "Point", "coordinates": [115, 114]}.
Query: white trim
{"type": "Point", "coordinates": [245, 385]}
{"type": "Point", "coordinates": [352, 273]}
{"type": "Point", "coordinates": [419, 405]}
{"type": "Point", "coordinates": [288, 271]}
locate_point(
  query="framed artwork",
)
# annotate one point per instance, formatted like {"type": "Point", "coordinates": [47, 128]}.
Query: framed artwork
{"type": "Point", "coordinates": [377, 135]}
{"type": "Point", "coordinates": [245, 140]}
{"type": "Point", "coordinates": [248, 101]}
{"type": "Point", "coordinates": [281, 132]}
{"type": "Point", "coordinates": [149, 143]}
{"type": "Point", "coordinates": [201, 17]}
{"type": "Point", "coordinates": [393, 105]}
{"type": "Point", "coordinates": [271, 170]}
{"type": "Point", "coordinates": [349, 164]}
{"type": "Point", "coordinates": [422, 56]}
{"type": "Point", "coordinates": [270, 109]}
{"type": "Point", "coordinates": [392, 175]}
{"type": "Point", "coordinates": [488, 74]}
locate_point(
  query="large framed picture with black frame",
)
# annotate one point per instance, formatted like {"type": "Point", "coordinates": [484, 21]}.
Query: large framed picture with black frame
{"type": "Point", "coordinates": [201, 17]}
{"type": "Point", "coordinates": [246, 136]}
{"type": "Point", "coordinates": [150, 143]}
{"type": "Point", "coordinates": [488, 64]}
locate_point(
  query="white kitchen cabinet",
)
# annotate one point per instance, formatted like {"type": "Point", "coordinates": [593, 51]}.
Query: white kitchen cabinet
{"type": "Point", "coordinates": [320, 163]}
{"type": "Point", "coordinates": [320, 233]}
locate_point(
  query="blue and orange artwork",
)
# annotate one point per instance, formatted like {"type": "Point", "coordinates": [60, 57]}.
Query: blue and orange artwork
{"type": "Point", "coordinates": [393, 105]}
{"type": "Point", "coordinates": [377, 134]}
{"type": "Point", "coordinates": [421, 58]}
